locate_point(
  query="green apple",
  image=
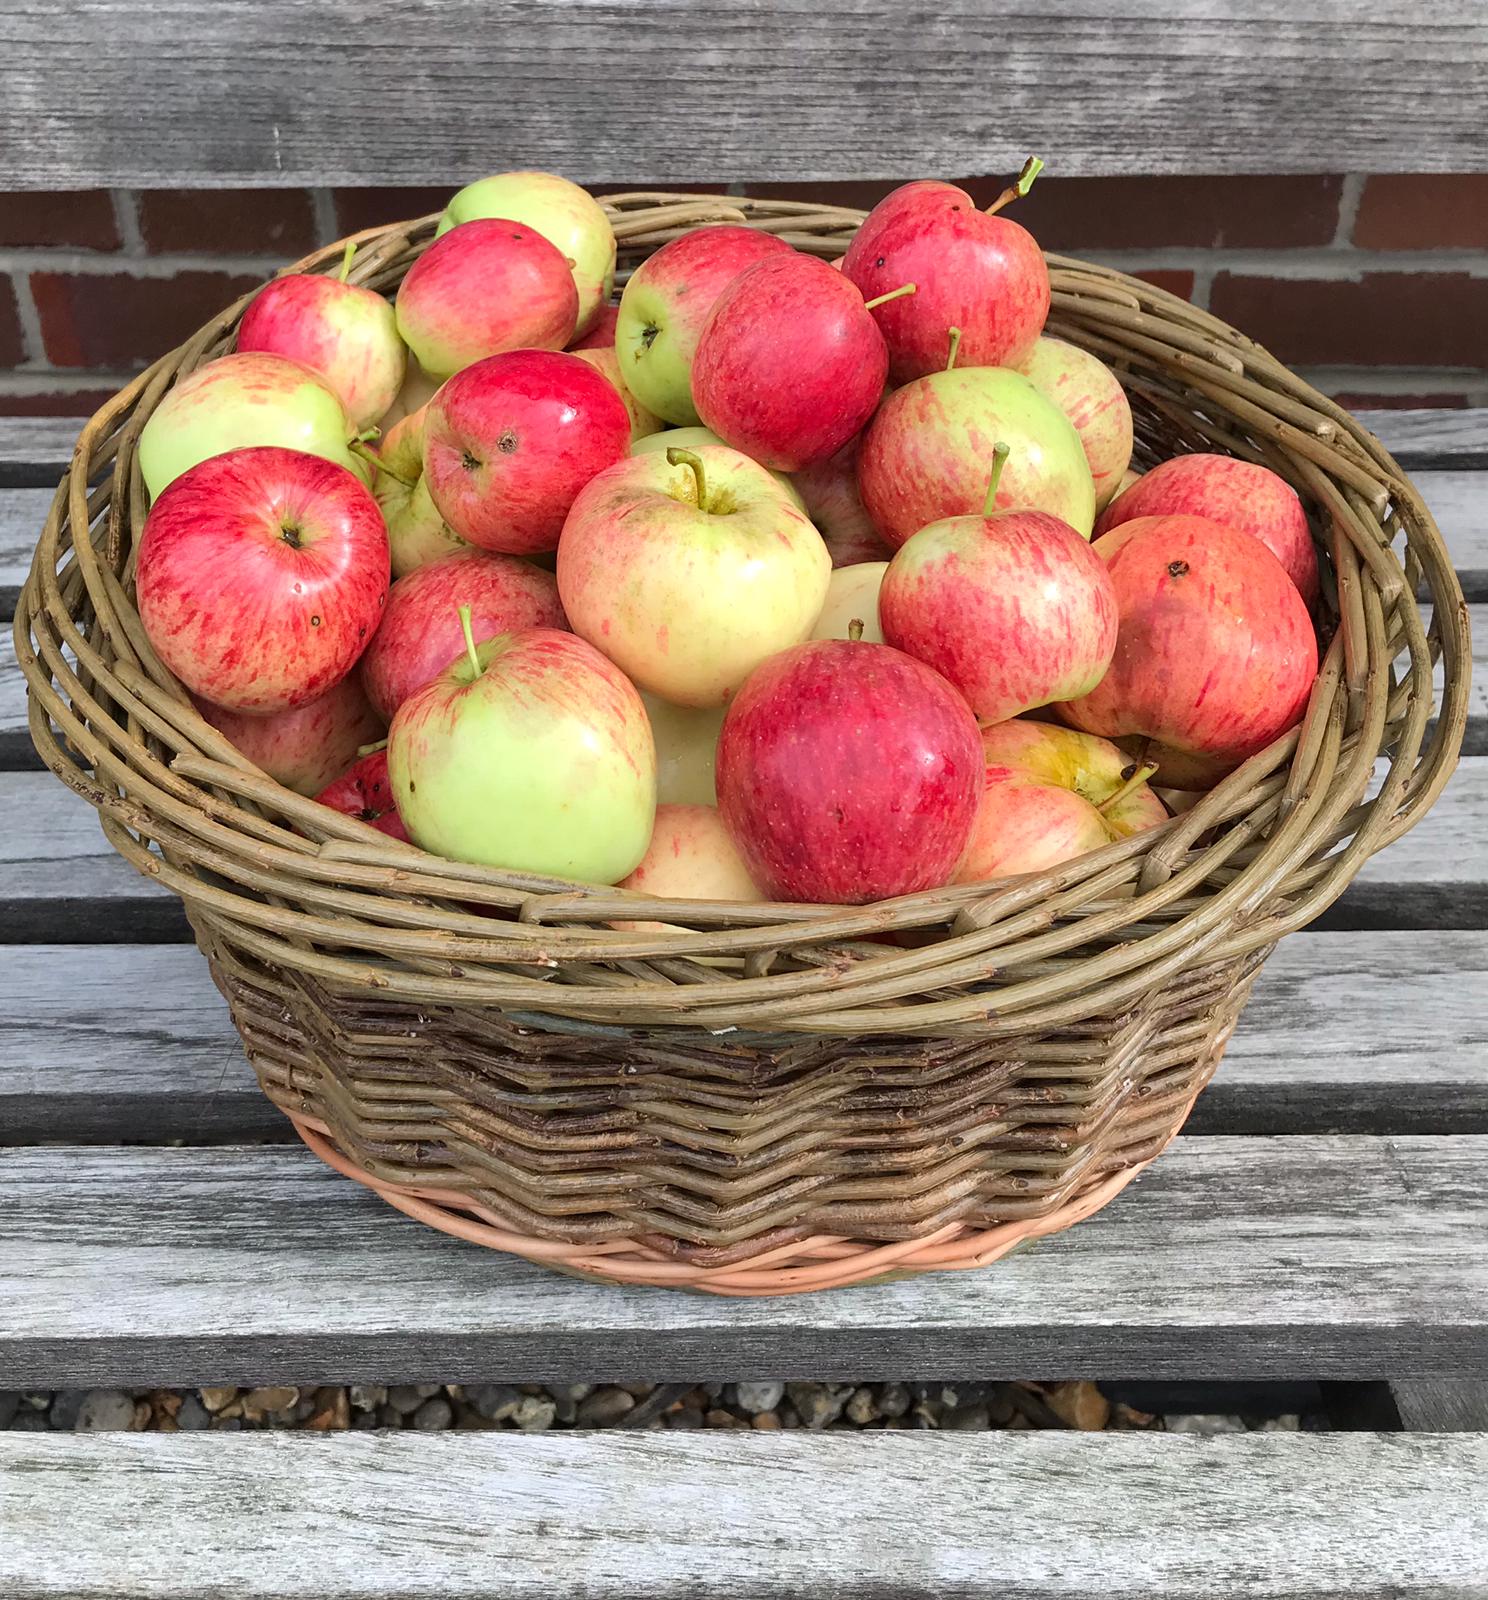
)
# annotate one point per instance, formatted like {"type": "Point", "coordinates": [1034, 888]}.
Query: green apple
{"type": "Point", "coordinates": [567, 216]}
{"type": "Point", "coordinates": [417, 534]}
{"type": "Point", "coordinates": [530, 752]}
{"type": "Point", "coordinates": [852, 596]}
{"type": "Point", "coordinates": [691, 438]}
{"type": "Point", "coordinates": [240, 400]}
{"type": "Point", "coordinates": [686, 747]}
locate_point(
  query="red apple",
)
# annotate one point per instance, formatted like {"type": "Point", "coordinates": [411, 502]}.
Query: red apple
{"type": "Point", "coordinates": [984, 275]}
{"type": "Point", "coordinates": [365, 791]}
{"type": "Point", "coordinates": [261, 575]}
{"type": "Point", "coordinates": [305, 747]}
{"type": "Point", "coordinates": [848, 772]}
{"type": "Point", "coordinates": [421, 634]}
{"type": "Point", "coordinates": [690, 857]}
{"type": "Point", "coordinates": [1090, 395]}
{"type": "Point", "coordinates": [510, 441]}
{"type": "Point", "coordinates": [829, 491]}
{"type": "Point", "coordinates": [1238, 493]}
{"type": "Point", "coordinates": [485, 287]}
{"type": "Point", "coordinates": [1014, 608]}
{"type": "Point", "coordinates": [790, 363]}
{"type": "Point", "coordinates": [1215, 653]}
{"type": "Point", "coordinates": [601, 333]}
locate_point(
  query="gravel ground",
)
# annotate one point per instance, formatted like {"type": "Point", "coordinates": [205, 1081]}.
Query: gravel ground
{"type": "Point", "coordinates": [534, 1408]}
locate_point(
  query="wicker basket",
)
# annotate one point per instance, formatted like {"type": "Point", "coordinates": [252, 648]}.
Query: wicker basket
{"type": "Point", "coordinates": [770, 1098]}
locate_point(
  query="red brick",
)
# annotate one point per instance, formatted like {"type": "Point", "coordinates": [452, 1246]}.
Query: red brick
{"type": "Point", "coordinates": [378, 208]}
{"type": "Point", "coordinates": [113, 322]}
{"type": "Point", "coordinates": [82, 221]}
{"type": "Point", "coordinates": [1401, 319]}
{"type": "Point", "coordinates": [55, 403]}
{"type": "Point", "coordinates": [1439, 211]}
{"type": "Point", "coordinates": [12, 341]}
{"type": "Point", "coordinates": [1174, 281]}
{"type": "Point", "coordinates": [277, 222]}
{"type": "Point", "coordinates": [1354, 401]}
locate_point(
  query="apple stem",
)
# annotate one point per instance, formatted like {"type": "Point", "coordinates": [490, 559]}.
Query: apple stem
{"type": "Point", "coordinates": [1019, 187]}
{"type": "Point", "coordinates": [999, 460]}
{"type": "Point", "coordinates": [855, 630]}
{"type": "Point", "coordinates": [346, 262]}
{"type": "Point", "coordinates": [893, 294]}
{"type": "Point", "coordinates": [470, 650]}
{"type": "Point", "coordinates": [1137, 779]}
{"type": "Point", "coordinates": [371, 749]}
{"type": "Point", "coordinates": [359, 449]}
{"type": "Point", "coordinates": [688, 458]}
{"type": "Point", "coordinates": [955, 335]}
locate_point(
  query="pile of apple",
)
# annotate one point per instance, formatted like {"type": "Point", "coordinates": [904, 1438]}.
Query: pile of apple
{"type": "Point", "coordinates": [775, 580]}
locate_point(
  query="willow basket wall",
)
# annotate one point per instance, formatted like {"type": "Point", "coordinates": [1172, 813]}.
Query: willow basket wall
{"type": "Point", "coordinates": [769, 1097]}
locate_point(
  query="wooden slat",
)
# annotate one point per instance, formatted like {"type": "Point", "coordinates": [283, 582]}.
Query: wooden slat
{"type": "Point", "coordinates": [1442, 1405]}
{"type": "Point", "coordinates": [1230, 1258]}
{"type": "Point", "coordinates": [453, 90]}
{"type": "Point", "coordinates": [22, 513]}
{"type": "Point", "coordinates": [811, 1517]}
{"type": "Point", "coordinates": [1459, 502]}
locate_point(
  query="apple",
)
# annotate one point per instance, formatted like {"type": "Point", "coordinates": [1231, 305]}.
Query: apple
{"type": "Point", "coordinates": [790, 363]}
{"type": "Point", "coordinates": [306, 746]}
{"type": "Point", "coordinates": [1013, 607]}
{"type": "Point", "coordinates": [416, 532]}
{"type": "Point", "coordinates": [1088, 393]}
{"type": "Point", "coordinates": [848, 772]}
{"type": "Point", "coordinates": [530, 752]}
{"type": "Point", "coordinates": [925, 455]}
{"type": "Point", "coordinates": [1239, 494]}
{"type": "Point", "coordinates": [510, 441]}
{"type": "Point", "coordinates": [483, 288]}
{"type": "Point", "coordinates": [690, 857]}
{"type": "Point", "coordinates": [852, 596]}
{"type": "Point", "coordinates": [829, 492]}
{"type": "Point", "coordinates": [643, 423]}
{"type": "Point", "coordinates": [347, 335]}
{"type": "Point", "coordinates": [690, 439]}
{"type": "Point", "coordinates": [240, 400]}
{"type": "Point", "coordinates": [365, 791]}
{"type": "Point", "coordinates": [260, 576]}
{"type": "Point", "coordinates": [689, 570]}
{"type": "Point", "coordinates": [420, 633]}
{"type": "Point", "coordinates": [982, 274]}
{"type": "Point", "coordinates": [568, 217]}
{"type": "Point", "coordinates": [666, 303]}
{"type": "Point", "coordinates": [601, 333]}
{"type": "Point", "coordinates": [1215, 653]}
{"type": "Point", "coordinates": [686, 748]}
{"type": "Point", "coordinates": [1128, 478]}
{"type": "Point", "coordinates": [1050, 794]}
{"type": "Point", "coordinates": [417, 391]}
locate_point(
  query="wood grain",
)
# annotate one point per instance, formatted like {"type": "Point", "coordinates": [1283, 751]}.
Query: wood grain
{"type": "Point", "coordinates": [1230, 1258]}
{"type": "Point", "coordinates": [792, 1517]}
{"type": "Point", "coordinates": [1442, 1405]}
{"type": "Point", "coordinates": [22, 513]}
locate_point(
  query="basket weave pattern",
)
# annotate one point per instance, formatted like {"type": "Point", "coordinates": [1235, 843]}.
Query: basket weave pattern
{"type": "Point", "coordinates": [767, 1097]}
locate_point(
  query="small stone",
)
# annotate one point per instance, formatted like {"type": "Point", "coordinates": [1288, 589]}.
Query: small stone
{"type": "Point", "coordinates": [534, 1415]}
{"type": "Point", "coordinates": [925, 1415]}
{"type": "Point", "coordinates": [578, 1391]}
{"type": "Point", "coordinates": [221, 1424]}
{"type": "Point", "coordinates": [817, 1404]}
{"type": "Point", "coordinates": [215, 1399]}
{"type": "Point", "coordinates": [757, 1397]}
{"type": "Point", "coordinates": [1018, 1422]}
{"type": "Point", "coordinates": [685, 1417]}
{"type": "Point", "coordinates": [165, 1404]}
{"type": "Point", "coordinates": [65, 1407]}
{"type": "Point", "coordinates": [366, 1396]}
{"type": "Point", "coordinates": [193, 1416]}
{"type": "Point", "coordinates": [1287, 1423]}
{"type": "Point", "coordinates": [1081, 1405]}
{"type": "Point", "coordinates": [893, 1400]}
{"type": "Point", "coordinates": [38, 1400]}
{"type": "Point", "coordinates": [604, 1408]}
{"type": "Point", "coordinates": [719, 1418]}
{"type": "Point", "coordinates": [164, 1424]}
{"type": "Point", "coordinates": [228, 1412]}
{"type": "Point", "coordinates": [1000, 1406]}
{"type": "Point", "coordinates": [1124, 1416]}
{"type": "Point", "coordinates": [333, 1412]}
{"type": "Point", "coordinates": [105, 1411]}
{"type": "Point", "coordinates": [10, 1403]}
{"type": "Point", "coordinates": [565, 1407]}
{"type": "Point", "coordinates": [862, 1408]}
{"type": "Point", "coordinates": [434, 1416]}
{"type": "Point", "coordinates": [766, 1422]}
{"type": "Point", "coordinates": [406, 1397]}
{"type": "Point", "coordinates": [361, 1421]}
{"type": "Point", "coordinates": [637, 1391]}
{"type": "Point", "coordinates": [28, 1421]}
{"type": "Point", "coordinates": [261, 1402]}
{"type": "Point", "coordinates": [389, 1416]}
{"type": "Point", "coordinates": [497, 1402]}
{"type": "Point", "coordinates": [967, 1419]}
{"type": "Point", "coordinates": [788, 1416]}
{"type": "Point", "coordinates": [1316, 1422]}
{"type": "Point", "coordinates": [1204, 1422]}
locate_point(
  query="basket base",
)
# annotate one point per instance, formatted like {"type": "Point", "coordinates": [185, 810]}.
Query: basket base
{"type": "Point", "coordinates": [803, 1266]}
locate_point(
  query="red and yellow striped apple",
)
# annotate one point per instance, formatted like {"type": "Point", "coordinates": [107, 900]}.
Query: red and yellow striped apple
{"type": "Point", "coordinates": [691, 857]}
{"type": "Point", "coordinates": [416, 532]}
{"type": "Point", "coordinates": [829, 492]}
{"type": "Point", "coordinates": [643, 423]}
{"type": "Point", "coordinates": [1088, 393]}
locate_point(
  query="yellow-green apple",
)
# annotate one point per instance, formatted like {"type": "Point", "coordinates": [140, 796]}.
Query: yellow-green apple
{"type": "Point", "coordinates": [417, 391]}
{"type": "Point", "coordinates": [241, 400]}
{"type": "Point", "coordinates": [667, 301]}
{"type": "Point", "coordinates": [848, 772]}
{"type": "Point", "coordinates": [852, 597]}
{"type": "Point", "coordinates": [1013, 607]}
{"type": "Point", "coordinates": [690, 857]}
{"type": "Point", "coordinates": [829, 492]}
{"type": "Point", "coordinates": [306, 746]}
{"type": "Point", "coordinates": [261, 576]}
{"type": "Point", "coordinates": [365, 791]}
{"type": "Point", "coordinates": [1215, 653]}
{"type": "Point", "coordinates": [1088, 393]}
{"type": "Point", "coordinates": [510, 441]}
{"type": "Point", "coordinates": [530, 752]}
{"type": "Point", "coordinates": [925, 455]}
{"type": "Point", "coordinates": [1050, 794]}
{"type": "Point", "coordinates": [643, 423]}
{"type": "Point", "coordinates": [601, 332]}
{"type": "Point", "coordinates": [1128, 478]}
{"type": "Point", "coordinates": [416, 531]}
{"type": "Point", "coordinates": [686, 748]}
{"type": "Point", "coordinates": [690, 439]}
{"type": "Point", "coordinates": [346, 334]}
{"type": "Point", "coordinates": [1240, 494]}
{"type": "Point", "coordinates": [568, 217]}
{"type": "Point", "coordinates": [790, 363]}
{"type": "Point", "coordinates": [982, 274]}
{"type": "Point", "coordinates": [420, 633]}
{"type": "Point", "coordinates": [483, 288]}
{"type": "Point", "coordinates": [689, 570]}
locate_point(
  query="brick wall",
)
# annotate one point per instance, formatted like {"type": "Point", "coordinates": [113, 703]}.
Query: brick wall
{"type": "Point", "coordinates": [1375, 287]}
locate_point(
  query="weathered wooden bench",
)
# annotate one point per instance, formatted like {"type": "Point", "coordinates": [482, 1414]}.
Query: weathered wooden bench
{"type": "Point", "coordinates": [1325, 1214]}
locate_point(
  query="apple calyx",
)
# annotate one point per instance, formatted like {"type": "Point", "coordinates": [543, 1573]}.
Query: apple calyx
{"type": "Point", "coordinates": [893, 294]}
{"type": "Point", "coordinates": [955, 348]}
{"type": "Point", "coordinates": [371, 749]}
{"type": "Point", "coordinates": [1018, 187]}
{"type": "Point", "coordinates": [1134, 780]}
{"type": "Point", "coordinates": [471, 653]}
{"type": "Point", "coordinates": [688, 458]}
{"type": "Point", "coordinates": [346, 261]}
{"type": "Point", "coordinates": [999, 461]}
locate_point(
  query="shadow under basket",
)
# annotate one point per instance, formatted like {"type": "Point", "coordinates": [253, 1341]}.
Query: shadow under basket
{"type": "Point", "coordinates": [764, 1099]}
